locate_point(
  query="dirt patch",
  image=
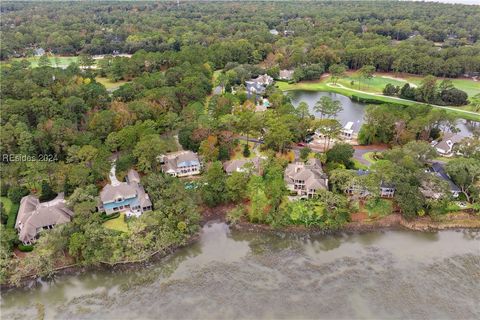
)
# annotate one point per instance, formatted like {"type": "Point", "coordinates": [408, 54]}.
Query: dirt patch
{"type": "Point", "coordinates": [216, 213]}
{"type": "Point", "coordinates": [359, 216]}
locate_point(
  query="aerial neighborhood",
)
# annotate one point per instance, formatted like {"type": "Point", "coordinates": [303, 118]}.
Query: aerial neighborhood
{"type": "Point", "coordinates": [122, 139]}
{"type": "Point", "coordinates": [304, 175]}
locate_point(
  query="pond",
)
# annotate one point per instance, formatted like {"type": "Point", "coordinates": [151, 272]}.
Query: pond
{"type": "Point", "coordinates": [233, 274]}
{"type": "Point", "coordinates": [355, 111]}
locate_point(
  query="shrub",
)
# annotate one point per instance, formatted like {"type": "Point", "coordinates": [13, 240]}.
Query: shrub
{"type": "Point", "coordinates": [246, 151]}
{"type": "Point", "coordinates": [17, 193]}
{"type": "Point", "coordinates": [106, 217]}
{"type": "Point", "coordinates": [378, 207]}
{"type": "Point", "coordinates": [234, 215]}
{"type": "Point", "coordinates": [25, 247]}
{"type": "Point", "coordinates": [304, 153]}
{"type": "Point", "coordinates": [47, 192]}
{"type": "Point", "coordinates": [4, 189]}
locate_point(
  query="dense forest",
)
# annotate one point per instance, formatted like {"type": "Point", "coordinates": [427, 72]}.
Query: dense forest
{"type": "Point", "coordinates": [421, 38]}
{"type": "Point", "coordinates": [60, 128]}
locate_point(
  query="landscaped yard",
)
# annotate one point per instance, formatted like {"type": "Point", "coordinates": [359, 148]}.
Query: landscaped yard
{"type": "Point", "coordinates": [109, 85]}
{"type": "Point", "coordinates": [359, 165]}
{"type": "Point", "coordinates": [11, 209]}
{"type": "Point", "coordinates": [118, 224]}
{"type": "Point", "coordinates": [369, 156]}
{"type": "Point", "coordinates": [378, 207]}
{"type": "Point", "coordinates": [238, 151]}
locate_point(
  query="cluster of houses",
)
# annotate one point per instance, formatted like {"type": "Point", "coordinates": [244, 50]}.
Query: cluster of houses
{"type": "Point", "coordinates": [129, 197]}
{"type": "Point", "coordinates": [387, 189]}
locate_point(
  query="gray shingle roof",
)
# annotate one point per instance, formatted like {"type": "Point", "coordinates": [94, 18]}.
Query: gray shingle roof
{"type": "Point", "coordinates": [33, 215]}
{"type": "Point", "coordinates": [237, 165]}
{"type": "Point", "coordinates": [123, 190]}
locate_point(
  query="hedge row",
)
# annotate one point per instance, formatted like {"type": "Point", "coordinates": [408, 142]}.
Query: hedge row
{"type": "Point", "coordinates": [106, 217]}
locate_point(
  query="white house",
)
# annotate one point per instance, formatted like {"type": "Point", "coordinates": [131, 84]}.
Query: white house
{"type": "Point", "coordinates": [444, 145]}
{"type": "Point", "coordinates": [347, 131]}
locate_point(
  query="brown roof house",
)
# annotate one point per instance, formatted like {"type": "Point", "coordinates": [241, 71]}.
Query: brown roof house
{"type": "Point", "coordinates": [129, 197]}
{"type": "Point", "coordinates": [242, 165]}
{"type": "Point", "coordinates": [34, 216]}
{"type": "Point", "coordinates": [306, 179]}
{"type": "Point", "coordinates": [181, 163]}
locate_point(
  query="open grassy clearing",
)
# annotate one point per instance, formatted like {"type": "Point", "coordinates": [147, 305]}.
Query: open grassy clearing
{"type": "Point", "coordinates": [369, 156]}
{"type": "Point", "coordinates": [11, 209]}
{"type": "Point", "coordinates": [109, 84]}
{"type": "Point", "coordinates": [375, 85]}
{"type": "Point", "coordinates": [118, 223]}
{"type": "Point", "coordinates": [238, 151]}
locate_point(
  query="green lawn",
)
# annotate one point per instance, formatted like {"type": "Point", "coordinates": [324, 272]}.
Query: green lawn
{"type": "Point", "coordinates": [12, 210]}
{"type": "Point", "coordinates": [375, 85]}
{"type": "Point", "coordinates": [109, 84]}
{"type": "Point", "coordinates": [378, 207]}
{"type": "Point", "coordinates": [7, 203]}
{"type": "Point", "coordinates": [359, 165]}
{"type": "Point", "coordinates": [369, 157]}
{"type": "Point", "coordinates": [118, 224]}
{"type": "Point", "coordinates": [238, 151]}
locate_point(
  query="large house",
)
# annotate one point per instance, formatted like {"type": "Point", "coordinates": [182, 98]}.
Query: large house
{"type": "Point", "coordinates": [444, 146]}
{"type": "Point", "coordinates": [306, 179]}
{"type": "Point", "coordinates": [128, 197]}
{"type": "Point", "coordinates": [34, 216]}
{"type": "Point", "coordinates": [181, 164]}
{"type": "Point", "coordinates": [257, 86]}
{"type": "Point", "coordinates": [438, 170]}
{"type": "Point", "coordinates": [387, 190]}
{"type": "Point", "coordinates": [242, 165]}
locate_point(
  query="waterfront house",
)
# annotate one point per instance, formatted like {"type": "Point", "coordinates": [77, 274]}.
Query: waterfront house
{"type": "Point", "coordinates": [306, 179]}
{"type": "Point", "coordinates": [444, 145]}
{"type": "Point", "coordinates": [430, 191]}
{"type": "Point", "coordinates": [128, 197]}
{"type": "Point", "coordinates": [347, 131]}
{"type": "Point", "coordinates": [34, 216]}
{"type": "Point", "coordinates": [181, 163]}
{"type": "Point", "coordinates": [387, 190]}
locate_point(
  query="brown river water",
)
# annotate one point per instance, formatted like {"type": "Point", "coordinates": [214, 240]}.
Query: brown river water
{"type": "Point", "coordinates": [241, 275]}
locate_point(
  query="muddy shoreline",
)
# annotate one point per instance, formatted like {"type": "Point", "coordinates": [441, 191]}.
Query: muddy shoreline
{"type": "Point", "coordinates": [391, 222]}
